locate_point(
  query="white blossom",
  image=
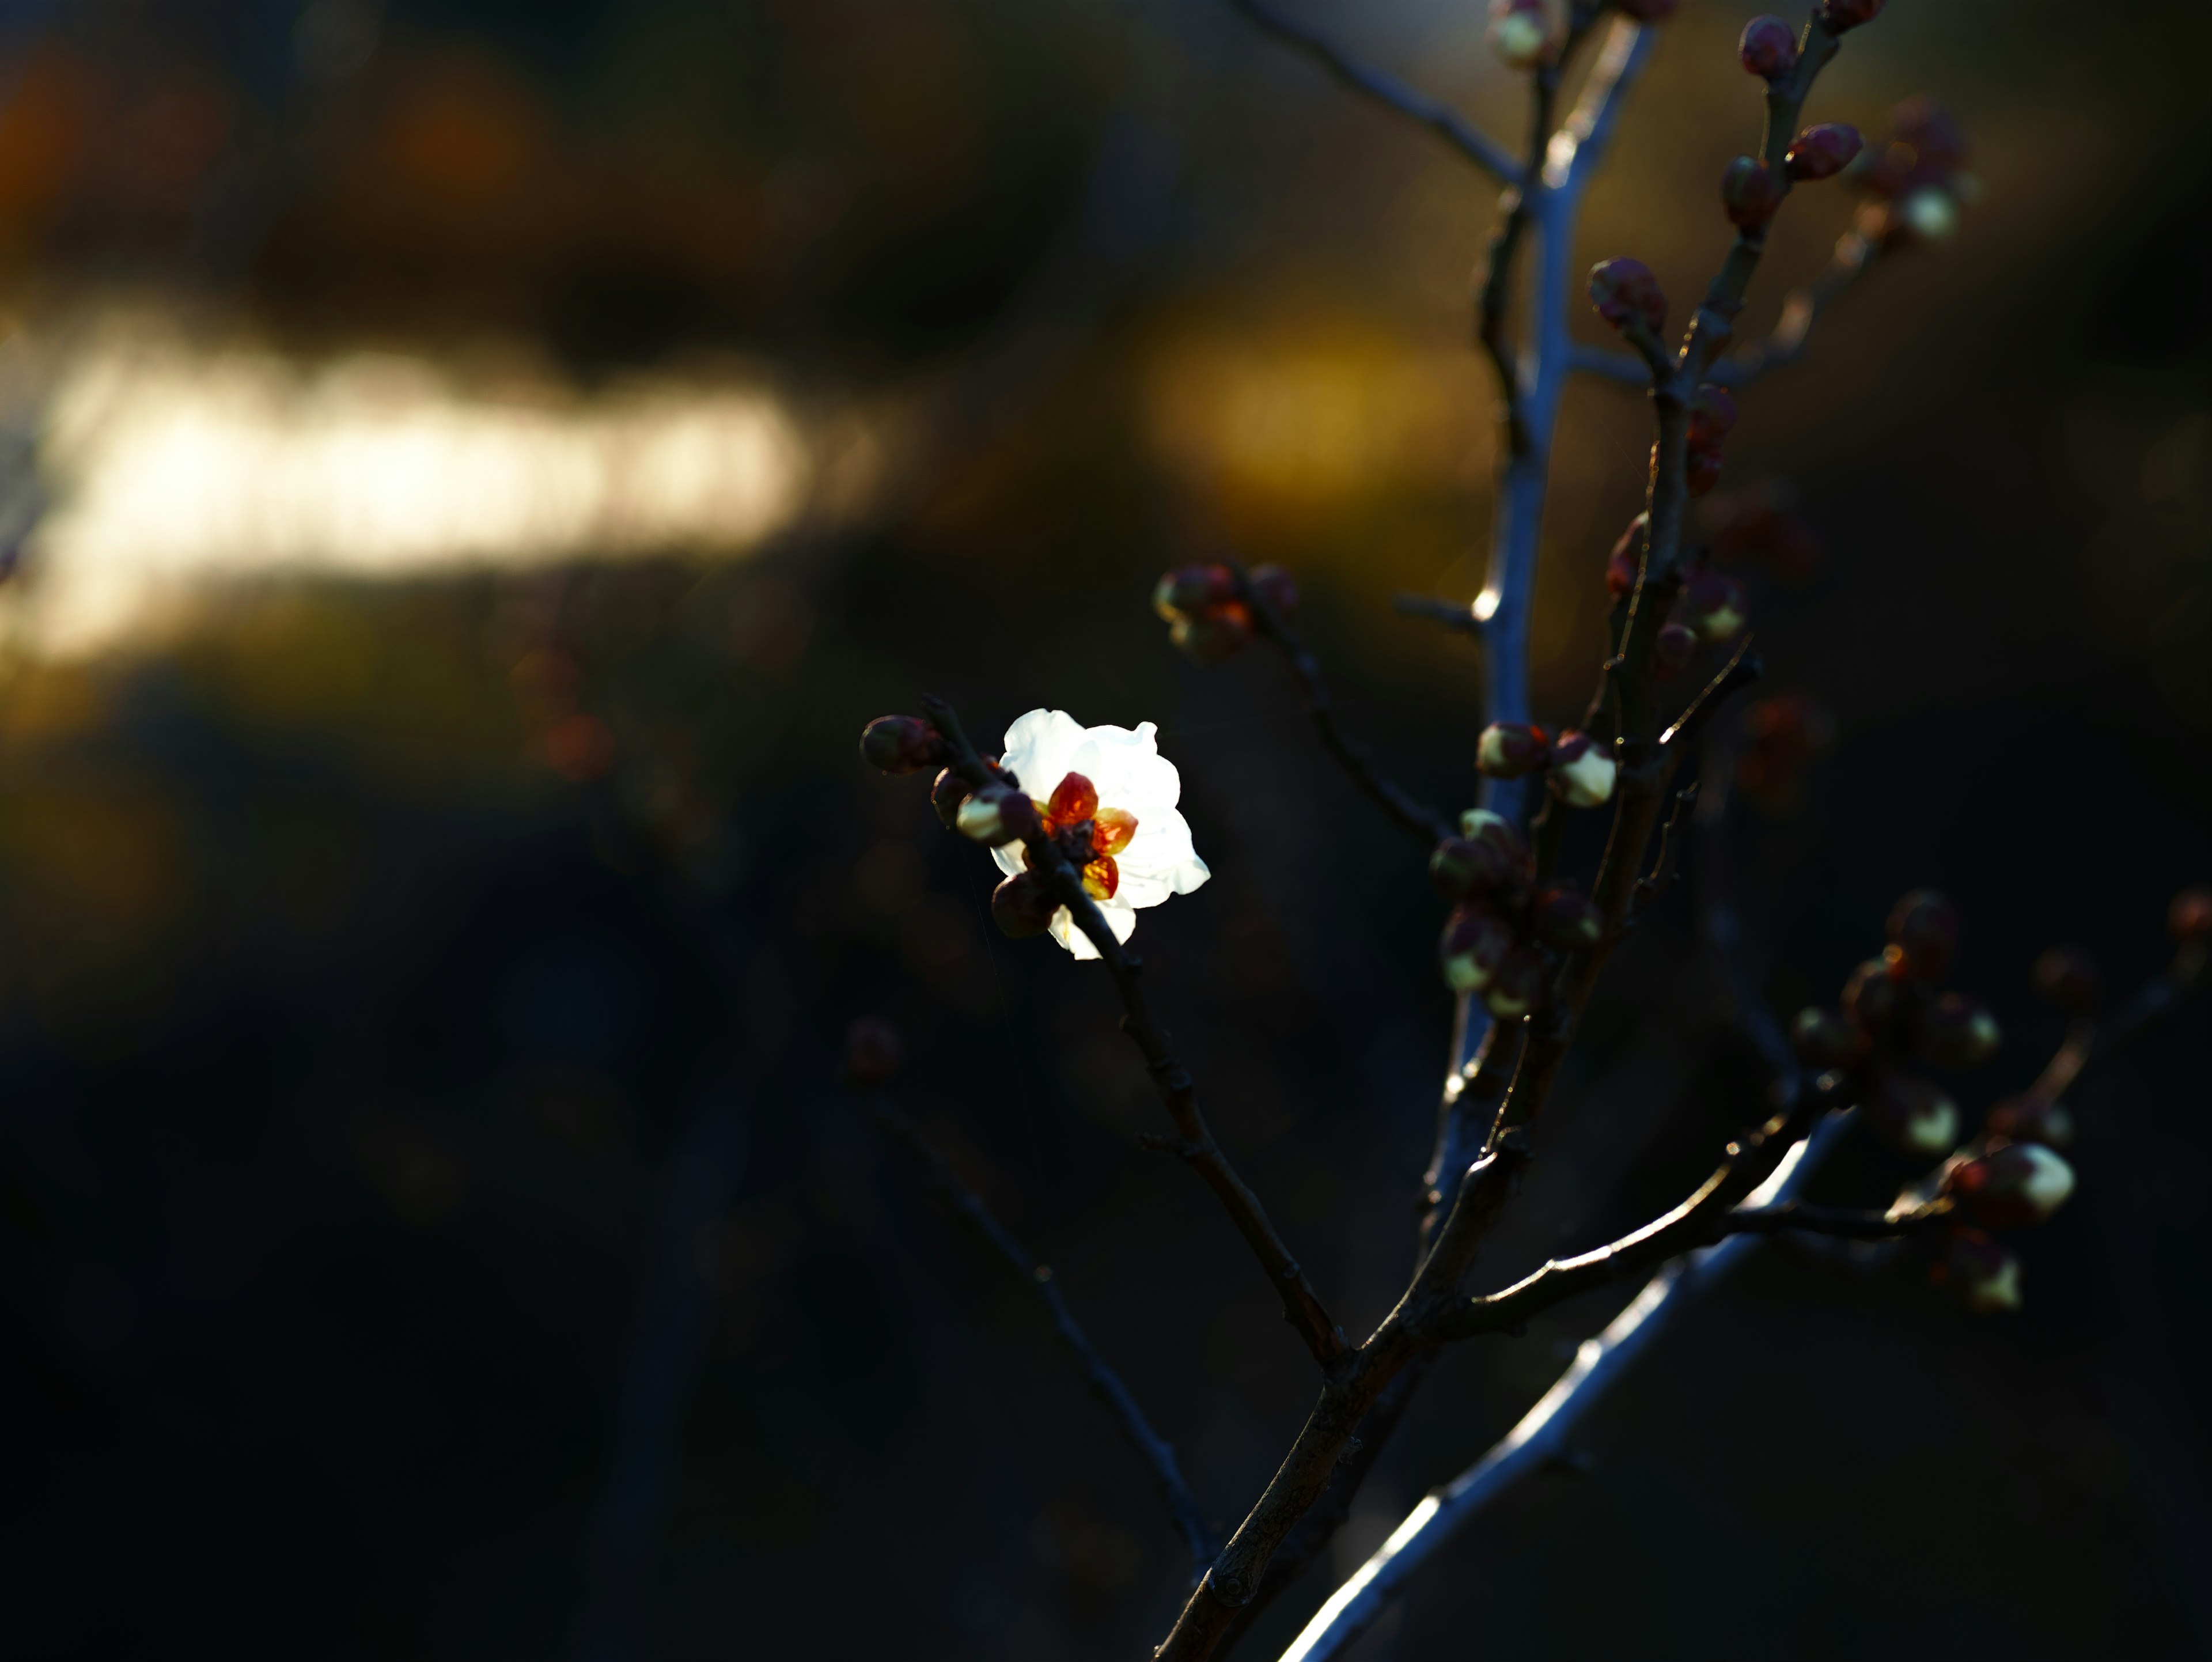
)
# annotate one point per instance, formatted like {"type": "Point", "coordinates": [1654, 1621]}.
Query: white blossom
{"type": "Point", "coordinates": [1129, 774]}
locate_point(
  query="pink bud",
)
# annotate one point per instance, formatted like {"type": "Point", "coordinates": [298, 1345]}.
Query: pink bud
{"type": "Point", "coordinates": [1712, 415]}
{"type": "Point", "coordinates": [1190, 589]}
{"type": "Point", "coordinates": [1714, 606]}
{"type": "Point", "coordinates": [1702, 469]}
{"type": "Point", "coordinates": [1768, 48]}
{"type": "Point", "coordinates": [1912, 1114]}
{"type": "Point", "coordinates": [1956, 1032]}
{"type": "Point", "coordinates": [1495, 832]}
{"type": "Point", "coordinates": [1275, 586]}
{"type": "Point", "coordinates": [871, 1053]}
{"type": "Point", "coordinates": [900, 744]}
{"type": "Point", "coordinates": [2031, 1119]}
{"type": "Point", "coordinates": [1217, 633]}
{"type": "Point", "coordinates": [1564, 918]}
{"type": "Point", "coordinates": [1625, 288]}
{"type": "Point", "coordinates": [1822, 152]}
{"type": "Point", "coordinates": [1749, 193]}
{"type": "Point", "coordinates": [1507, 750]}
{"type": "Point", "coordinates": [2012, 1186]}
{"type": "Point", "coordinates": [2068, 978]}
{"type": "Point", "coordinates": [946, 795]}
{"type": "Point", "coordinates": [1838, 15]}
{"type": "Point", "coordinates": [1672, 652]}
{"type": "Point", "coordinates": [1979, 1270]}
{"type": "Point", "coordinates": [1924, 936]}
{"type": "Point", "coordinates": [1022, 906]}
{"type": "Point", "coordinates": [1582, 770]}
{"type": "Point", "coordinates": [1626, 560]}
{"type": "Point", "coordinates": [1466, 867]}
{"type": "Point", "coordinates": [1823, 1039]}
{"type": "Point", "coordinates": [1475, 942]}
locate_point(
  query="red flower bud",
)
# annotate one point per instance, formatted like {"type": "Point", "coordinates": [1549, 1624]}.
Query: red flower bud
{"type": "Point", "coordinates": [1507, 750]}
{"type": "Point", "coordinates": [1750, 193]}
{"type": "Point", "coordinates": [2189, 919]}
{"type": "Point", "coordinates": [1190, 589]}
{"type": "Point", "coordinates": [1923, 936]}
{"type": "Point", "coordinates": [1911, 1115]}
{"type": "Point", "coordinates": [1712, 415]}
{"type": "Point", "coordinates": [1714, 606]}
{"type": "Point", "coordinates": [900, 744]}
{"type": "Point", "coordinates": [1516, 988]}
{"type": "Point", "coordinates": [2031, 1119]}
{"type": "Point", "coordinates": [1823, 1039]}
{"type": "Point", "coordinates": [1703, 471]}
{"type": "Point", "coordinates": [1626, 560]}
{"type": "Point", "coordinates": [946, 795]}
{"type": "Point", "coordinates": [1219, 632]}
{"type": "Point", "coordinates": [1822, 152]}
{"type": "Point", "coordinates": [1768, 48]}
{"type": "Point", "coordinates": [1957, 1033]}
{"type": "Point", "coordinates": [1023, 905]}
{"type": "Point", "coordinates": [1979, 1270]}
{"type": "Point", "coordinates": [1275, 586]}
{"type": "Point", "coordinates": [1476, 941]}
{"type": "Point", "coordinates": [1625, 288]}
{"type": "Point", "coordinates": [1839, 16]}
{"type": "Point", "coordinates": [2068, 978]}
{"type": "Point", "coordinates": [2012, 1186]}
{"type": "Point", "coordinates": [1672, 652]}
{"type": "Point", "coordinates": [1582, 770]}
{"type": "Point", "coordinates": [1870, 996]}
{"type": "Point", "coordinates": [1564, 918]}
{"type": "Point", "coordinates": [871, 1053]}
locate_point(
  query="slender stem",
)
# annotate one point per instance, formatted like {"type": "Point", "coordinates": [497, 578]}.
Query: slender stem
{"type": "Point", "coordinates": [1154, 1450]}
{"type": "Point", "coordinates": [1178, 1091]}
{"type": "Point", "coordinates": [1438, 116]}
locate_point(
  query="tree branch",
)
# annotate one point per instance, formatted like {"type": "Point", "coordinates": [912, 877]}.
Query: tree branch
{"type": "Point", "coordinates": [1415, 815]}
{"type": "Point", "coordinates": [1154, 1450]}
{"type": "Point", "coordinates": [1178, 1091]}
{"type": "Point", "coordinates": [1450, 613]}
{"type": "Point", "coordinates": [1437, 117]}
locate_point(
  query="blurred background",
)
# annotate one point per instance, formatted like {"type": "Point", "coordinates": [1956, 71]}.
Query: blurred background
{"type": "Point", "coordinates": [472, 469]}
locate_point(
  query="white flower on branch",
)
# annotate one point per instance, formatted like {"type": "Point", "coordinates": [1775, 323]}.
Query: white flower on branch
{"type": "Point", "coordinates": [1142, 843]}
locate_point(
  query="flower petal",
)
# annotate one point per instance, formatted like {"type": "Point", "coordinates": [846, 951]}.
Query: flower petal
{"type": "Point", "coordinates": [1041, 749]}
{"type": "Point", "coordinates": [1120, 918]}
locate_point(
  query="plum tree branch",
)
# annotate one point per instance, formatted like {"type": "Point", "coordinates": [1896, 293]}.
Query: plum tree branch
{"type": "Point", "coordinates": [1177, 1089]}
{"type": "Point", "coordinates": [1154, 1450]}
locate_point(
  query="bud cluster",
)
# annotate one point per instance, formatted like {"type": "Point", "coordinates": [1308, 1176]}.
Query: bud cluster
{"type": "Point", "coordinates": [1893, 1021]}
{"type": "Point", "coordinates": [1918, 182]}
{"type": "Point", "coordinates": [1580, 772]}
{"type": "Point", "coordinates": [1208, 608]}
{"type": "Point", "coordinates": [1494, 942]}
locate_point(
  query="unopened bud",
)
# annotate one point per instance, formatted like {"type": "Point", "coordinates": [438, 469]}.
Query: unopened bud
{"type": "Point", "coordinates": [1495, 832]}
{"type": "Point", "coordinates": [1626, 560]}
{"type": "Point", "coordinates": [1516, 987]}
{"type": "Point", "coordinates": [1022, 906]}
{"type": "Point", "coordinates": [1276, 587]}
{"type": "Point", "coordinates": [1714, 606]}
{"type": "Point", "coordinates": [1823, 1039]}
{"type": "Point", "coordinates": [1507, 750]}
{"type": "Point", "coordinates": [1768, 48]}
{"type": "Point", "coordinates": [1218, 633]}
{"type": "Point", "coordinates": [946, 795]}
{"type": "Point", "coordinates": [1822, 152]}
{"type": "Point", "coordinates": [1702, 469]}
{"type": "Point", "coordinates": [1931, 213]}
{"type": "Point", "coordinates": [1564, 919]}
{"type": "Point", "coordinates": [1190, 589]}
{"type": "Point", "coordinates": [1923, 936]}
{"type": "Point", "coordinates": [871, 1053]}
{"type": "Point", "coordinates": [1913, 1115]}
{"type": "Point", "coordinates": [1957, 1033]}
{"type": "Point", "coordinates": [1839, 16]}
{"type": "Point", "coordinates": [1625, 288]}
{"type": "Point", "coordinates": [1976, 1269]}
{"type": "Point", "coordinates": [900, 744]}
{"type": "Point", "coordinates": [2068, 977]}
{"type": "Point", "coordinates": [2189, 919]}
{"type": "Point", "coordinates": [2010, 1187]}
{"type": "Point", "coordinates": [1871, 997]}
{"type": "Point", "coordinates": [1521, 32]}
{"type": "Point", "coordinates": [1672, 652]}
{"type": "Point", "coordinates": [2031, 1119]}
{"type": "Point", "coordinates": [1712, 415]}
{"type": "Point", "coordinates": [1476, 941]}
{"type": "Point", "coordinates": [1583, 771]}
{"type": "Point", "coordinates": [996, 817]}
{"type": "Point", "coordinates": [1462, 869]}
{"type": "Point", "coordinates": [1749, 193]}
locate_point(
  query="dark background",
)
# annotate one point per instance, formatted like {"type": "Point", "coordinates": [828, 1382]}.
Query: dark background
{"type": "Point", "coordinates": [430, 1223]}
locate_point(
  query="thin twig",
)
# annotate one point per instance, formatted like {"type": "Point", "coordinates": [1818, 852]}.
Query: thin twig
{"type": "Point", "coordinates": [1386, 88]}
{"type": "Point", "coordinates": [1178, 1091]}
{"type": "Point", "coordinates": [1154, 1450]}
{"type": "Point", "coordinates": [1452, 614]}
{"type": "Point", "coordinates": [1414, 815]}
